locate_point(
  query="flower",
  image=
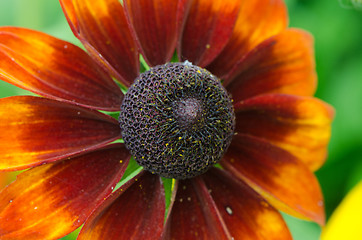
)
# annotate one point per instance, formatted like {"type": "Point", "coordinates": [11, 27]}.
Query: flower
{"type": "Point", "coordinates": [71, 145]}
{"type": "Point", "coordinates": [344, 221]}
{"type": "Point", "coordinates": [4, 179]}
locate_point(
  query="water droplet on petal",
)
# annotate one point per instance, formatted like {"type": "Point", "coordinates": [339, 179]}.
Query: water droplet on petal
{"type": "Point", "coordinates": [229, 210]}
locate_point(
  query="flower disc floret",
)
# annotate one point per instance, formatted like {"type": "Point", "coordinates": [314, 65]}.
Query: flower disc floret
{"type": "Point", "coordinates": [177, 120]}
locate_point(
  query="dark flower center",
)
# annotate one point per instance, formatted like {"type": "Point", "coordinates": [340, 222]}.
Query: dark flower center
{"type": "Point", "coordinates": [177, 120]}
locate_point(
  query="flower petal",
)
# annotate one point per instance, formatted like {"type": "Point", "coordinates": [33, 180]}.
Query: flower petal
{"type": "Point", "coordinates": [102, 28]}
{"type": "Point", "coordinates": [135, 211]}
{"type": "Point", "coordinates": [300, 125]}
{"type": "Point", "coordinates": [194, 214]}
{"type": "Point", "coordinates": [208, 27]}
{"type": "Point", "coordinates": [6, 178]}
{"type": "Point", "coordinates": [257, 21]}
{"type": "Point", "coordinates": [281, 64]}
{"type": "Point", "coordinates": [56, 69]}
{"type": "Point", "coordinates": [246, 214]}
{"type": "Point", "coordinates": [277, 175]}
{"type": "Point", "coordinates": [156, 25]}
{"type": "Point", "coordinates": [49, 201]}
{"type": "Point", "coordinates": [37, 130]}
{"type": "Point", "coordinates": [345, 222]}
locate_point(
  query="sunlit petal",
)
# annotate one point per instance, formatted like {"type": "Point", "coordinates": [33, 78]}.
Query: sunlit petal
{"type": "Point", "coordinates": [281, 64]}
{"type": "Point", "coordinates": [300, 125]}
{"type": "Point", "coordinates": [37, 130]}
{"type": "Point", "coordinates": [257, 21]}
{"type": "Point", "coordinates": [277, 175]}
{"type": "Point", "coordinates": [246, 214]}
{"type": "Point", "coordinates": [56, 69]}
{"type": "Point", "coordinates": [49, 201]}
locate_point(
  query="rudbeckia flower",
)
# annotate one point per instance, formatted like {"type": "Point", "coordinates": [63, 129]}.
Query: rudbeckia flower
{"type": "Point", "coordinates": [217, 132]}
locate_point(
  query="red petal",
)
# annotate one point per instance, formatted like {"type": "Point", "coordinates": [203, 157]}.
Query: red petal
{"type": "Point", "coordinates": [49, 201]}
{"type": "Point", "coordinates": [281, 64]}
{"type": "Point", "coordinates": [37, 130]}
{"type": "Point", "coordinates": [300, 125]}
{"type": "Point", "coordinates": [246, 214]}
{"type": "Point", "coordinates": [207, 30]}
{"type": "Point", "coordinates": [194, 214]}
{"type": "Point", "coordinates": [156, 25]}
{"type": "Point", "coordinates": [135, 211]}
{"type": "Point", "coordinates": [56, 69]}
{"type": "Point", "coordinates": [277, 175]}
{"type": "Point", "coordinates": [102, 28]}
{"type": "Point", "coordinates": [257, 21]}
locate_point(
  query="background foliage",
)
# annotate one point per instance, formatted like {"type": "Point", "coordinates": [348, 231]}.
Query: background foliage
{"type": "Point", "coordinates": [338, 37]}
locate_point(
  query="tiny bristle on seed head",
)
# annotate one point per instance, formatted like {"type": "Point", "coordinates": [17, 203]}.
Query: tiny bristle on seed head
{"type": "Point", "coordinates": [177, 120]}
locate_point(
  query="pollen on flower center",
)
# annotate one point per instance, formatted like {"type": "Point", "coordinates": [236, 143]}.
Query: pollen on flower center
{"type": "Point", "coordinates": [177, 120]}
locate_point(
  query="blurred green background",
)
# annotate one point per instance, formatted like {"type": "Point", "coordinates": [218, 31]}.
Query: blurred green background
{"type": "Point", "coordinates": [338, 46]}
